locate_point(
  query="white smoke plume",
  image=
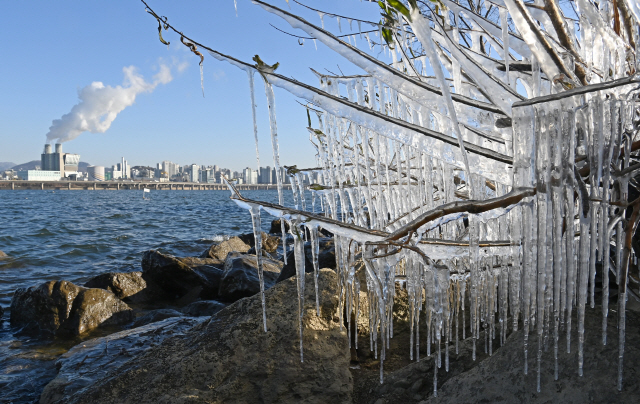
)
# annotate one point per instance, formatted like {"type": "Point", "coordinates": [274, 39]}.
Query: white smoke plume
{"type": "Point", "coordinates": [99, 104]}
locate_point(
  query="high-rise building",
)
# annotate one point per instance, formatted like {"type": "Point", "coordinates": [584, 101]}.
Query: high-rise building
{"type": "Point", "coordinates": [170, 168]}
{"type": "Point", "coordinates": [250, 176]}
{"type": "Point", "coordinates": [265, 175]}
{"type": "Point", "coordinates": [195, 173]}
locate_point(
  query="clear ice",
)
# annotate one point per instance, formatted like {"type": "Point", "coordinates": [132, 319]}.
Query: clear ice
{"type": "Point", "coordinates": [490, 183]}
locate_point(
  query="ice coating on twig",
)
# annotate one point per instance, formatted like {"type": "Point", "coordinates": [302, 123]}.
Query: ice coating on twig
{"type": "Point", "coordinates": [550, 178]}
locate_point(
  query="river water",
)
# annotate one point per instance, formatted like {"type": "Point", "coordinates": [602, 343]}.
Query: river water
{"type": "Point", "coordinates": [75, 235]}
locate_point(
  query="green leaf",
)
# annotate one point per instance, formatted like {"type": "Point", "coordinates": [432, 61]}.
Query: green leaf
{"type": "Point", "coordinates": [388, 36]}
{"type": "Point", "coordinates": [400, 8]}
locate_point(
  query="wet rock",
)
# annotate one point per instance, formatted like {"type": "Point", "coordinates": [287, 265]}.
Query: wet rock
{"type": "Point", "coordinates": [178, 279]}
{"type": "Point", "coordinates": [230, 358]}
{"type": "Point", "coordinates": [326, 259]}
{"type": "Point", "coordinates": [240, 277]}
{"type": "Point", "coordinates": [155, 316]}
{"type": "Point", "coordinates": [91, 360]}
{"type": "Point", "coordinates": [203, 308]}
{"type": "Point", "coordinates": [269, 243]}
{"type": "Point", "coordinates": [3, 256]}
{"type": "Point", "coordinates": [121, 284]}
{"type": "Point", "coordinates": [60, 308]}
{"type": "Point", "coordinates": [221, 250]}
{"type": "Point", "coordinates": [1, 312]}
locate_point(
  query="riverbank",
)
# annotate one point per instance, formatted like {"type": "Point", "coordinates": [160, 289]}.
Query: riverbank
{"type": "Point", "coordinates": [76, 236]}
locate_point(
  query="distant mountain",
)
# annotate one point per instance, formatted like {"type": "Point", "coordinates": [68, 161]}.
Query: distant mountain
{"type": "Point", "coordinates": [82, 167]}
{"type": "Point", "coordinates": [6, 165]}
{"type": "Point", "coordinates": [27, 166]}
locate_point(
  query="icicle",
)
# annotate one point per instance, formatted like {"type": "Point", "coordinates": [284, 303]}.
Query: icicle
{"type": "Point", "coordinates": [315, 252]}
{"type": "Point", "coordinates": [339, 25]}
{"type": "Point", "coordinates": [253, 113]}
{"type": "Point", "coordinates": [202, 79]}
{"type": "Point", "coordinates": [298, 243]}
{"type": "Point", "coordinates": [422, 31]}
{"type": "Point", "coordinates": [271, 101]}
{"type": "Point", "coordinates": [235, 5]}
{"type": "Point", "coordinates": [321, 14]}
{"type": "Point", "coordinates": [505, 41]}
{"type": "Point", "coordinates": [535, 68]}
{"type": "Point", "coordinates": [257, 235]}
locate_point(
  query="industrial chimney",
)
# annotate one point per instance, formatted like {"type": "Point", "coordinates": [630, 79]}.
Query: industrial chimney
{"type": "Point", "coordinates": [59, 148]}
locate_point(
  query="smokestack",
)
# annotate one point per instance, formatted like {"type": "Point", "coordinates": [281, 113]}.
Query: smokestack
{"type": "Point", "coordinates": [58, 148]}
{"type": "Point", "coordinates": [47, 148]}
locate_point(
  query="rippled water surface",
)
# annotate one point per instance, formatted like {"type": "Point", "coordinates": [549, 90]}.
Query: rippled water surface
{"type": "Point", "coordinates": [75, 235]}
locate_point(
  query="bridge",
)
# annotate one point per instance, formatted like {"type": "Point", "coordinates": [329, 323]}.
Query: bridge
{"type": "Point", "coordinates": [125, 185]}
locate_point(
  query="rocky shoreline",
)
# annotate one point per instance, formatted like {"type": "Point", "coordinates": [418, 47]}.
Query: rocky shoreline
{"type": "Point", "coordinates": [189, 329]}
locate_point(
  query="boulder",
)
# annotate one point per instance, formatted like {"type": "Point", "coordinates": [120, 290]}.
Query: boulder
{"type": "Point", "coordinates": [178, 279]}
{"type": "Point", "coordinates": [230, 359]}
{"type": "Point", "coordinates": [276, 227]}
{"type": "Point", "coordinates": [203, 308]}
{"type": "Point", "coordinates": [197, 262]}
{"type": "Point", "coordinates": [326, 258]}
{"type": "Point", "coordinates": [240, 278]}
{"type": "Point", "coordinates": [3, 256]}
{"type": "Point", "coordinates": [501, 379]}
{"type": "Point", "coordinates": [222, 249]}
{"type": "Point", "coordinates": [153, 316]}
{"type": "Point", "coordinates": [269, 243]}
{"type": "Point", "coordinates": [91, 360]}
{"type": "Point", "coordinates": [60, 308]}
{"type": "Point", "coordinates": [121, 284]}
{"type": "Point", "coordinates": [209, 268]}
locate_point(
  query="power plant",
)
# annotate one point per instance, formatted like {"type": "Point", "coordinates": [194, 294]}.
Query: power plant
{"type": "Point", "coordinates": [65, 163]}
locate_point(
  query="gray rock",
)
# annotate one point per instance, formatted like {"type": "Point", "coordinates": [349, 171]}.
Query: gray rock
{"type": "Point", "coordinates": [203, 308]}
{"type": "Point", "coordinates": [500, 378]}
{"type": "Point", "coordinates": [230, 359]}
{"type": "Point", "coordinates": [326, 258]}
{"type": "Point", "coordinates": [240, 277]}
{"type": "Point", "coordinates": [269, 243]}
{"type": "Point", "coordinates": [60, 308]}
{"type": "Point", "coordinates": [221, 250]}
{"type": "Point", "coordinates": [209, 268]}
{"type": "Point", "coordinates": [93, 359]}
{"type": "Point", "coordinates": [121, 284]}
{"type": "Point", "coordinates": [176, 278]}
{"type": "Point", "coordinates": [197, 262]}
{"type": "Point", "coordinates": [156, 315]}
{"type": "Point", "coordinates": [276, 227]}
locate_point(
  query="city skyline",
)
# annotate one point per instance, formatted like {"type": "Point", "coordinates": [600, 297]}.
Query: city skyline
{"type": "Point", "coordinates": [174, 121]}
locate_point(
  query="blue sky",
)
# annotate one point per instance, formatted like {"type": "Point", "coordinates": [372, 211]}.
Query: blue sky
{"type": "Point", "coordinates": [52, 49]}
